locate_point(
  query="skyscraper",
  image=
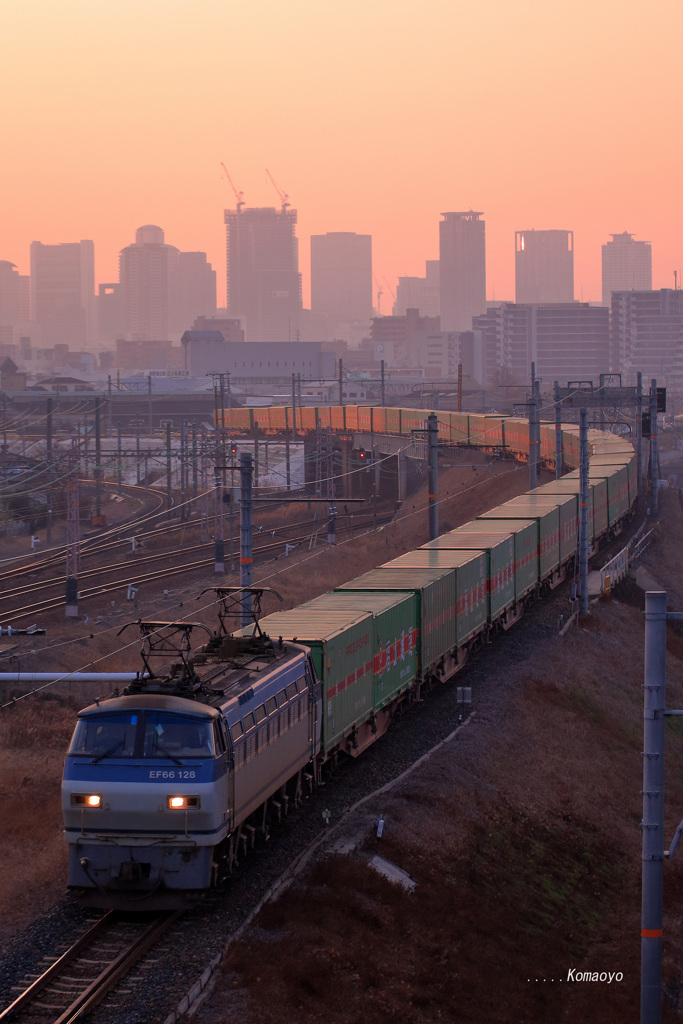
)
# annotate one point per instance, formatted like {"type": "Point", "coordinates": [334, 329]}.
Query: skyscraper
{"type": "Point", "coordinates": [63, 293]}
{"type": "Point", "coordinates": [341, 281]}
{"type": "Point", "coordinates": [145, 271]}
{"type": "Point", "coordinates": [544, 266]}
{"type": "Point", "coordinates": [626, 266]}
{"type": "Point", "coordinates": [264, 283]}
{"type": "Point", "coordinates": [162, 290]}
{"type": "Point", "coordinates": [462, 269]}
{"type": "Point", "coordinates": [14, 302]}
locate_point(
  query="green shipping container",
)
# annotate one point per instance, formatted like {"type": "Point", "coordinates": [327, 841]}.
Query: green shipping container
{"type": "Point", "coordinates": [598, 485]}
{"type": "Point", "coordinates": [547, 518]}
{"type": "Point", "coordinates": [469, 578]}
{"type": "Point", "coordinates": [628, 489]}
{"type": "Point", "coordinates": [341, 645]}
{"type": "Point", "coordinates": [500, 563]}
{"type": "Point", "coordinates": [394, 635]}
{"type": "Point", "coordinates": [565, 487]}
{"type": "Point", "coordinates": [436, 614]}
{"type": "Point", "coordinates": [525, 535]}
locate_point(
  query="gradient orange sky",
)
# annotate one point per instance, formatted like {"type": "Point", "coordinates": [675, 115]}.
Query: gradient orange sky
{"type": "Point", "coordinates": [374, 116]}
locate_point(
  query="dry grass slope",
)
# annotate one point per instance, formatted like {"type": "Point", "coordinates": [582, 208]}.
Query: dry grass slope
{"type": "Point", "coordinates": [523, 838]}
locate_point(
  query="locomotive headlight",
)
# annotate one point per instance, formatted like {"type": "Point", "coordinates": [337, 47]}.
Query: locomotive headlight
{"type": "Point", "coordinates": [181, 803]}
{"type": "Point", "coordinates": [86, 800]}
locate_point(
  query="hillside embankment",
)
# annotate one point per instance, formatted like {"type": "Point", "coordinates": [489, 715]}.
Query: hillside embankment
{"type": "Point", "coordinates": [522, 836]}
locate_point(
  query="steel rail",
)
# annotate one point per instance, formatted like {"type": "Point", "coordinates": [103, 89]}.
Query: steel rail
{"type": "Point", "coordinates": [55, 969]}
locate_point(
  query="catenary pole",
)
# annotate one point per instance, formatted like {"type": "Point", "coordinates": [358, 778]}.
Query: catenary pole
{"type": "Point", "coordinates": [652, 825]}
{"type": "Point", "coordinates": [246, 470]}
{"type": "Point", "coordinates": [583, 503]}
{"type": "Point", "coordinates": [433, 439]}
{"type": "Point", "coordinates": [559, 455]}
{"type": "Point", "coordinates": [654, 454]}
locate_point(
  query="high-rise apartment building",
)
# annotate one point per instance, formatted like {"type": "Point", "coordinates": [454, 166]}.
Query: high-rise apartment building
{"type": "Point", "coordinates": [462, 269]}
{"type": "Point", "coordinates": [341, 282]}
{"type": "Point", "coordinates": [626, 266]}
{"type": "Point", "coordinates": [14, 303]}
{"type": "Point", "coordinates": [63, 293]}
{"type": "Point", "coordinates": [647, 335]}
{"type": "Point", "coordinates": [145, 273]}
{"type": "Point", "coordinates": [544, 266]}
{"type": "Point", "coordinates": [264, 283]}
{"type": "Point", "coordinates": [419, 292]}
{"type": "Point", "coordinates": [566, 341]}
{"type": "Point", "coordinates": [162, 290]}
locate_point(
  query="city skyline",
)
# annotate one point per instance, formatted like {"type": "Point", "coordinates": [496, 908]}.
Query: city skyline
{"type": "Point", "coordinates": [106, 130]}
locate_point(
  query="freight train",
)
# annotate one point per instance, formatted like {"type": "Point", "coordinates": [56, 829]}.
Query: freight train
{"type": "Point", "coordinates": [168, 784]}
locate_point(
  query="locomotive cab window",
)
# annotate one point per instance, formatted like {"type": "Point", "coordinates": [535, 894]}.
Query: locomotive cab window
{"type": "Point", "coordinates": [175, 736]}
{"type": "Point", "coordinates": [105, 736]}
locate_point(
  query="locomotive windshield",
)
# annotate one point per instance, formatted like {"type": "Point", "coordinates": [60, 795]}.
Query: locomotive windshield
{"type": "Point", "coordinates": [148, 734]}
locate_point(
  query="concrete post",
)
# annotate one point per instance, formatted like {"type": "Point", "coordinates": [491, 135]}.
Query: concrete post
{"type": "Point", "coordinates": [169, 474]}
{"type": "Point", "coordinates": [559, 455]}
{"type": "Point", "coordinates": [654, 453]}
{"type": "Point", "coordinates": [246, 469]}
{"type": "Point", "coordinates": [639, 430]}
{"type": "Point", "coordinates": [583, 508]}
{"type": "Point", "coordinates": [652, 825]}
{"type": "Point", "coordinates": [433, 438]}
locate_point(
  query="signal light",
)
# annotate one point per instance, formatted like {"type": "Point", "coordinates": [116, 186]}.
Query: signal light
{"type": "Point", "coordinates": [233, 449]}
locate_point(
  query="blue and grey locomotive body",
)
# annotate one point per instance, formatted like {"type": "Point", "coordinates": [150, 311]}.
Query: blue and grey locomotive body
{"type": "Point", "coordinates": [160, 790]}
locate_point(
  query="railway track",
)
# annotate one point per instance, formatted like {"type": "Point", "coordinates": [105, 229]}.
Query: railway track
{"type": "Point", "coordinates": [72, 984]}
{"type": "Point", "coordinates": [133, 575]}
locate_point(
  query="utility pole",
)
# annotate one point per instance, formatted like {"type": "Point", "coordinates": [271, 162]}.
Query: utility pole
{"type": "Point", "coordinates": [219, 545]}
{"type": "Point", "coordinates": [118, 454]}
{"type": "Point", "coordinates": [246, 506]}
{"type": "Point", "coordinates": [459, 387]}
{"type": "Point", "coordinates": [182, 471]}
{"type": "Point", "coordinates": [433, 438]}
{"type": "Point", "coordinates": [533, 438]}
{"type": "Point", "coordinates": [639, 430]}
{"type": "Point", "coordinates": [294, 406]}
{"type": "Point", "coordinates": [98, 459]}
{"type": "Point", "coordinates": [341, 386]}
{"type": "Point", "coordinates": [150, 424]}
{"type": "Point", "coordinates": [137, 450]}
{"type": "Point", "coordinates": [583, 502]}
{"type": "Point", "coordinates": [652, 825]}
{"type": "Point", "coordinates": [654, 452]}
{"type": "Point", "coordinates": [48, 457]}
{"type": "Point", "coordinates": [72, 536]}
{"type": "Point", "coordinates": [169, 469]}
{"type": "Point", "coordinates": [559, 454]}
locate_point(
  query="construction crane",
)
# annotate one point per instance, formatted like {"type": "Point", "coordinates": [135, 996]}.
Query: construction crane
{"type": "Point", "coordinates": [239, 196]}
{"type": "Point", "coordinates": [284, 198]}
{"type": "Point", "coordinates": [380, 293]}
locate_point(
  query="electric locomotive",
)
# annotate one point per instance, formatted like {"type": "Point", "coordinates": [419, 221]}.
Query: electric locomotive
{"type": "Point", "coordinates": [165, 783]}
